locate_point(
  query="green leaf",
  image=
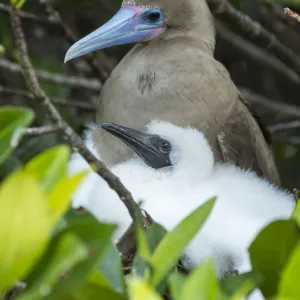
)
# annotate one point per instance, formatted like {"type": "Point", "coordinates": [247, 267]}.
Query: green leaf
{"type": "Point", "coordinates": [17, 3]}
{"type": "Point", "coordinates": [271, 250]}
{"type": "Point", "coordinates": [13, 121]}
{"type": "Point", "coordinates": [296, 213]}
{"type": "Point", "coordinates": [96, 237]}
{"type": "Point", "coordinates": [163, 259]}
{"type": "Point", "coordinates": [289, 287]}
{"type": "Point", "coordinates": [91, 291]}
{"type": "Point", "coordinates": [96, 277]}
{"type": "Point", "coordinates": [93, 288]}
{"type": "Point", "coordinates": [60, 197]}
{"type": "Point", "coordinates": [176, 282]}
{"type": "Point", "coordinates": [25, 230]}
{"type": "Point", "coordinates": [140, 267]}
{"type": "Point", "coordinates": [111, 268]}
{"type": "Point", "coordinates": [142, 243]}
{"type": "Point", "coordinates": [140, 289]}
{"type": "Point", "coordinates": [50, 166]}
{"type": "Point", "coordinates": [64, 252]}
{"type": "Point", "coordinates": [202, 283]}
{"type": "Point", "coordinates": [153, 236]}
{"type": "Point", "coordinates": [237, 286]}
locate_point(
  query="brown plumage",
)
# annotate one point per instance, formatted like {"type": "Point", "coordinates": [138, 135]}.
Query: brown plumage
{"type": "Point", "coordinates": [176, 78]}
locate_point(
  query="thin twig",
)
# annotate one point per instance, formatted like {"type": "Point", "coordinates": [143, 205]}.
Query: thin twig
{"type": "Point", "coordinates": [276, 11]}
{"type": "Point", "coordinates": [256, 53]}
{"type": "Point", "coordinates": [272, 105]}
{"type": "Point", "coordinates": [284, 126]}
{"type": "Point", "coordinates": [296, 194]}
{"type": "Point", "coordinates": [54, 20]}
{"type": "Point", "coordinates": [55, 78]}
{"type": "Point", "coordinates": [90, 58]}
{"type": "Point", "coordinates": [255, 32]}
{"type": "Point", "coordinates": [292, 14]}
{"type": "Point", "coordinates": [28, 16]}
{"type": "Point", "coordinates": [77, 143]}
{"type": "Point", "coordinates": [36, 131]}
{"type": "Point", "coordinates": [224, 11]}
{"type": "Point", "coordinates": [58, 101]}
{"type": "Point", "coordinates": [15, 290]}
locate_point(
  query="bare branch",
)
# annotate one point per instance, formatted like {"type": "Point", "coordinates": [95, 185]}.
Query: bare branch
{"type": "Point", "coordinates": [296, 194]}
{"type": "Point", "coordinates": [61, 102]}
{"type": "Point", "coordinates": [292, 14]}
{"type": "Point", "coordinates": [91, 58]}
{"type": "Point", "coordinates": [272, 105]}
{"type": "Point", "coordinates": [256, 53]}
{"type": "Point", "coordinates": [284, 126]}
{"type": "Point", "coordinates": [101, 70]}
{"type": "Point", "coordinates": [28, 16]}
{"type": "Point", "coordinates": [255, 32]}
{"type": "Point", "coordinates": [41, 130]}
{"type": "Point", "coordinates": [71, 81]}
{"type": "Point", "coordinates": [13, 292]}
{"type": "Point", "coordinates": [77, 143]}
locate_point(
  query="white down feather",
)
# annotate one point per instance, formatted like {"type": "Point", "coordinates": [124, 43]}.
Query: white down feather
{"type": "Point", "coordinates": [245, 203]}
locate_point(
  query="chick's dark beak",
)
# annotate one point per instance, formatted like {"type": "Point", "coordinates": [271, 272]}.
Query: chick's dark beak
{"type": "Point", "coordinates": [147, 146]}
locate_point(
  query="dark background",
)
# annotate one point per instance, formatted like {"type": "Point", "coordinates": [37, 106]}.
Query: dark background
{"type": "Point", "coordinates": [271, 86]}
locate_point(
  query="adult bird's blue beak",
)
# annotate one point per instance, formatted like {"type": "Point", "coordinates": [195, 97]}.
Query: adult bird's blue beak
{"type": "Point", "coordinates": [130, 25]}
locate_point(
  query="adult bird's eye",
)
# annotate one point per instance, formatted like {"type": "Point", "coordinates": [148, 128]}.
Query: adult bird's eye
{"type": "Point", "coordinates": [153, 16]}
{"type": "Point", "coordinates": [165, 146]}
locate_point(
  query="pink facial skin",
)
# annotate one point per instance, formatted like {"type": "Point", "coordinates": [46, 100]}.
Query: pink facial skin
{"type": "Point", "coordinates": [154, 32]}
{"type": "Point", "coordinates": [139, 10]}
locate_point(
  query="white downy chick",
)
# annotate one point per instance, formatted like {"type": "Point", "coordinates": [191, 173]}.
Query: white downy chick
{"type": "Point", "coordinates": [189, 177]}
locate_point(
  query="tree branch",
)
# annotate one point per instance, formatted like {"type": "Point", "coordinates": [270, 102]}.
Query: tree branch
{"type": "Point", "coordinates": [28, 16]}
{"type": "Point", "coordinates": [254, 31]}
{"type": "Point", "coordinates": [41, 130]}
{"type": "Point", "coordinates": [54, 78]}
{"type": "Point", "coordinates": [54, 19]}
{"type": "Point", "coordinates": [284, 126]}
{"type": "Point", "coordinates": [61, 102]}
{"type": "Point", "coordinates": [272, 105]}
{"type": "Point", "coordinates": [91, 58]}
{"type": "Point", "coordinates": [256, 53]}
{"type": "Point", "coordinates": [69, 133]}
{"type": "Point", "coordinates": [292, 14]}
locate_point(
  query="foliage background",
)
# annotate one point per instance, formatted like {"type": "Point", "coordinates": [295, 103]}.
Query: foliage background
{"type": "Point", "coordinates": [64, 254]}
{"type": "Point", "coordinates": [265, 81]}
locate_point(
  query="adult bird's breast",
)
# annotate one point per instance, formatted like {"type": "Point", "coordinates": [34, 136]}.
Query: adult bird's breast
{"type": "Point", "coordinates": [147, 86]}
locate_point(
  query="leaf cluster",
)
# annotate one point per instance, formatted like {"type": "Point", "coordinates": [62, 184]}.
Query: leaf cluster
{"type": "Point", "coordinates": [49, 251]}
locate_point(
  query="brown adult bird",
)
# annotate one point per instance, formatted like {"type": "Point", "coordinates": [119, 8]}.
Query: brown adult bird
{"type": "Point", "coordinates": [171, 75]}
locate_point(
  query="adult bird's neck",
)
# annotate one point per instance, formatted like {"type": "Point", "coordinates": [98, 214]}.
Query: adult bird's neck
{"type": "Point", "coordinates": [194, 25]}
{"type": "Point", "coordinates": [203, 40]}
{"type": "Point", "coordinates": [198, 27]}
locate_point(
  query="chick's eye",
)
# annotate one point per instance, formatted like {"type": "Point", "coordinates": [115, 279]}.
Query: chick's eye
{"type": "Point", "coordinates": [153, 16]}
{"type": "Point", "coordinates": [165, 146]}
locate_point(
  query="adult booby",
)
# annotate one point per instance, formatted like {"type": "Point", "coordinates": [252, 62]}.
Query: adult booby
{"type": "Point", "coordinates": [173, 174]}
{"type": "Point", "coordinates": [171, 75]}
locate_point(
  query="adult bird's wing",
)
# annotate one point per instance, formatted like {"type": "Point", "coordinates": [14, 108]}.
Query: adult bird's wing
{"type": "Point", "coordinates": [248, 143]}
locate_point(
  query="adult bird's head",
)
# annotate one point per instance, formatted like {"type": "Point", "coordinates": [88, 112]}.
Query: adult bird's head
{"type": "Point", "coordinates": [165, 145]}
{"type": "Point", "coordinates": [148, 20]}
